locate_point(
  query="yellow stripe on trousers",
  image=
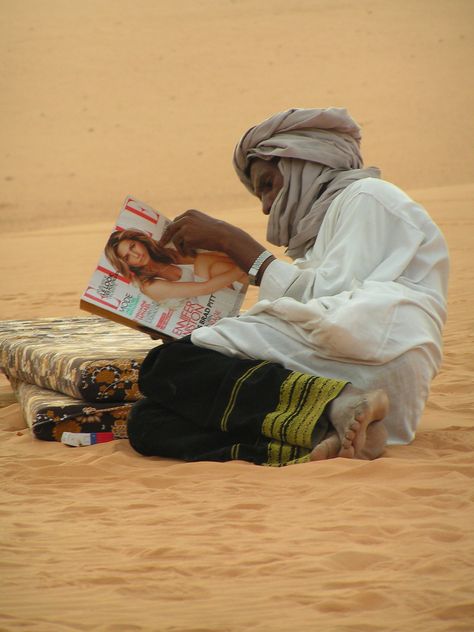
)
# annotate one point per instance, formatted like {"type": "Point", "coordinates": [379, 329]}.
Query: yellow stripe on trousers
{"type": "Point", "coordinates": [235, 391]}
{"type": "Point", "coordinates": [302, 401]}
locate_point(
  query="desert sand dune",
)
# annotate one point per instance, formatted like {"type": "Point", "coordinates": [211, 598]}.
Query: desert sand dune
{"type": "Point", "coordinates": [100, 99]}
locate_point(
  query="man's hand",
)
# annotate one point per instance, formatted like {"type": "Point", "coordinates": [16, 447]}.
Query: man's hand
{"type": "Point", "coordinates": [193, 230]}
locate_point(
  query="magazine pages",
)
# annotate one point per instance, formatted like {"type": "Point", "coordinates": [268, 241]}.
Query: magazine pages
{"type": "Point", "coordinates": [154, 289]}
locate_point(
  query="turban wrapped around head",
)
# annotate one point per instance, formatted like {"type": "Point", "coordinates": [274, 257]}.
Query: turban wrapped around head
{"type": "Point", "coordinates": [318, 152]}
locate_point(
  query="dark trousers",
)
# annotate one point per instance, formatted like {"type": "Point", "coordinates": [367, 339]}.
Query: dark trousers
{"type": "Point", "coordinates": [200, 405]}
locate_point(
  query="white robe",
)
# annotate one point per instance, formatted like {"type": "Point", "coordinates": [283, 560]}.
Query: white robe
{"type": "Point", "coordinates": [366, 304]}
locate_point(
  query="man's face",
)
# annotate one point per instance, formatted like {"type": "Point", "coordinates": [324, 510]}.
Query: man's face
{"type": "Point", "coordinates": [267, 180]}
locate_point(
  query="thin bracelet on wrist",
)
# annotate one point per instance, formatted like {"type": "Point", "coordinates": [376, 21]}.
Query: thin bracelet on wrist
{"type": "Point", "coordinates": [256, 265]}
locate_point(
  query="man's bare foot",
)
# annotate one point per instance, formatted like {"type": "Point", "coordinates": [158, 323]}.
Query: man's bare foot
{"type": "Point", "coordinates": [352, 413]}
{"type": "Point", "coordinates": [376, 438]}
{"type": "Point", "coordinates": [328, 448]}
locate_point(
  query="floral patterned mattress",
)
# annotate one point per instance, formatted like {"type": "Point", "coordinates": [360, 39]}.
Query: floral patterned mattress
{"type": "Point", "coordinates": [49, 414]}
{"type": "Point", "coordinates": [92, 359]}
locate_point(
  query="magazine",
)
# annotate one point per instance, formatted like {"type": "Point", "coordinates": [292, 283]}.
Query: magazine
{"type": "Point", "coordinates": [153, 288]}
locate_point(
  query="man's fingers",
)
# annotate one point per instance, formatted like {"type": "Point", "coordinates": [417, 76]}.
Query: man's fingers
{"type": "Point", "coordinates": [190, 230]}
{"type": "Point", "coordinates": [171, 230]}
{"type": "Point", "coordinates": [167, 234]}
{"type": "Point", "coordinates": [180, 246]}
{"type": "Point", "coordinates": [180, 241]}
{"type": "Point", "coordinates": [163, 337]}
{"type": "Point", "coordinates": [185, 214]}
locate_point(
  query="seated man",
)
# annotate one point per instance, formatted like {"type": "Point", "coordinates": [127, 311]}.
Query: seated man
{"type": "Point", "coordinates": [353, 324]}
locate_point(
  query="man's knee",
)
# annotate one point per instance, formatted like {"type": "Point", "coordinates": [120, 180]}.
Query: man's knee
{"type": "Point", "coordinates": [144, 428]}
{"type": "Point", "coordinates": [153, 430]}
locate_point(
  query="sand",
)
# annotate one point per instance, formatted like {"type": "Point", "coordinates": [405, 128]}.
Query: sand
{"type": "Point", "coordinates": [104, 98]}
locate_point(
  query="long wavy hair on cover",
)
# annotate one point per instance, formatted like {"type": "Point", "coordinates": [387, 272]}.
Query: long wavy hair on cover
{"type": "Point", "coordinates": [134, 274]}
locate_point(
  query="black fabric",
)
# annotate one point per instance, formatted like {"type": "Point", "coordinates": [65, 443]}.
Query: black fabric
{"type": "Point", "coordinates": [202, 405]}
{"type": "Point", "coordinates": [156, 431]}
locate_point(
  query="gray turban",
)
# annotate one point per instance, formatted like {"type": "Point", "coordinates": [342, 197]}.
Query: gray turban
{"type": "Point", "coordinates": [318, 151]}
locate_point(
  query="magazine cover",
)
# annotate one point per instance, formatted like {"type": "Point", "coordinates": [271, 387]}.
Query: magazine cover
{"type": "Point", "coordinates": [155, 289]}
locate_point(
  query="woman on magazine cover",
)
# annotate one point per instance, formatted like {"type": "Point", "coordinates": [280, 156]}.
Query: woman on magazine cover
{"type": "Point", "coordinates": [338, 354]}
{"type": "Point", "coordinates": [162, 273]}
